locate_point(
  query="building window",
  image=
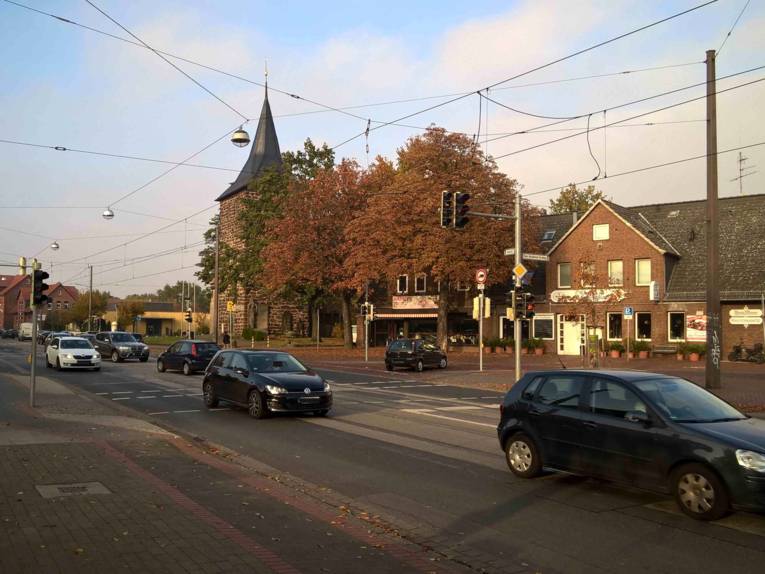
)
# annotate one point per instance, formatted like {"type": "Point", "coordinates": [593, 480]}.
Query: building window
{"type": "Point", "coordinates": [616, 273]}
{"type": "Point", "coordinates": [66, 304]}
{"type": "Point", "coordinates": [548, 235]}
{"type": "Point", "coordinates": [676, 326]}
{"type": "Point", "coordinates": [50, 306]}
{"type": "Point", "coordinates": [614, 326]}
{"type": "Point", "coordinates": [461, 286]}
{"type": "Point", "coordinates": [600, 232]}
{"type": "Point", "coordinates": [643, 326]}
{"type": "Point", "coordinates": [58, 304]}
{"type": "Point", "coordinates": [402, 284]}
{"type": "Point", "coordinates": [587, 274]}
{"type": "Point", "coordinates": [642, 271]}
{"type": "Point", "coordinates": [286, 322]}
{"type": "Point", "coordinates": [420, 283]}
{"type": "Point", "coordinates": [543, 327]}
{"type": "Point", "coordinates": [564, 274]}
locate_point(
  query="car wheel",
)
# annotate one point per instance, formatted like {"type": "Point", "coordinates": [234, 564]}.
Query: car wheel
{"type": "Point", "coordinates": [58, 364]}
{"type": "Point", "coordinates": [388, 366]}
{"type": "Point", "coordinates": [160, 365]}
{"type": "Point", "coordinates": [419, 366]}
{"type": "Point", "coordinates": [442, 363]}
{"type": "Point", "coordinates": [115, 357]}
{"type": "Point", "coordinates": [523, 457]}
{"type": "Point", "coordinates": [699, 492]}
{"type": "Point", "coordinates": [322, 413]}
{"type": "Point", "coordinates": [211, 400]}
{"type": "Point", "coordinates": [257, 405]}
{"type": "Point", "coordinates": [186, 369]}
{"type": "Point", "coordinates": [47, 362]}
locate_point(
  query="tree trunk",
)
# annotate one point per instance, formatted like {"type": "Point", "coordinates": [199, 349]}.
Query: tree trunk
{"type": "Point", "coordinates": [443, 315]}
{"type": "Point", "coordinates": [347, 319]}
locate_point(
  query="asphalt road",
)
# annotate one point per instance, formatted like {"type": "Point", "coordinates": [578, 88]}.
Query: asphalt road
{"type": "Point", "coordinates": [426, 459]}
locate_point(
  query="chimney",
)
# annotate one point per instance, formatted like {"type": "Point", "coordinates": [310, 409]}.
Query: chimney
{"type": "Point", "coordinates": [22, 265]}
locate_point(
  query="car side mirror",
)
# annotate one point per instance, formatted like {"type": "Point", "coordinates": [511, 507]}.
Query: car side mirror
{"type": "Point", "coordinates": [637, 417]}
{"type": "Point", "coordinates": [54, 346]}
{"type": "Point", "coordinates": [243, 372]}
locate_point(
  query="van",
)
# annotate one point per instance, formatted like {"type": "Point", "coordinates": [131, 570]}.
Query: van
{"type": "Point", "coordinates": [25, 331]}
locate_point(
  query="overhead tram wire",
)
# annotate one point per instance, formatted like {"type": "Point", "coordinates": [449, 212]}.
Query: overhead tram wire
{"type": "Point", "coordinates": [717, 53]}
{"type": "Point", "coordinates": [535, 69]}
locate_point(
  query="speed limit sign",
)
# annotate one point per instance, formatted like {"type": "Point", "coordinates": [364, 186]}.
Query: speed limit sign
{"type": "Point", "coordinates": [480, 276]}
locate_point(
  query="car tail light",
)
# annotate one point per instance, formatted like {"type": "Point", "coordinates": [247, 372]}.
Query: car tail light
{"type": "Point", "coordinates": [193, 349]}
{"type": "Point", "coordinates": [501, 408]}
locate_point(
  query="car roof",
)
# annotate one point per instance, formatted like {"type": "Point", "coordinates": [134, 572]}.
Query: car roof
{"type": "Point", "coordinates": [622, 374]}
{"type": "Point", "coordinates": [69, 337]}
{"type": "Point", "coordinates": [259, 351]}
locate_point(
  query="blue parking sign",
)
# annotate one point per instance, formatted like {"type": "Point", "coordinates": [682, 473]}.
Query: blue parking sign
{"type": "Point", "coordinates": [629, 312]}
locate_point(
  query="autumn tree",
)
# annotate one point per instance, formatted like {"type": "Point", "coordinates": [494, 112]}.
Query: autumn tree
{"type": "Point", "coordinates": [307, 246]}
{"type": "Point", "coordinates": [128, 311]}
{"type": "Point", "coordinates": [78, 313]}
{"type": "Point", "coordinates": [400, 230]}
{"type": "Point", "coordinates": [572, 198]}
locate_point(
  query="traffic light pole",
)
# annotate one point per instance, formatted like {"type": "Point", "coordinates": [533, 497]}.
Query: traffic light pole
{"type": "Point", "coordinates": [518, 255]}
{"type": "Point", "coordinates": [33, 357]}
{"type": "Point", "coordinates": [480, 327]}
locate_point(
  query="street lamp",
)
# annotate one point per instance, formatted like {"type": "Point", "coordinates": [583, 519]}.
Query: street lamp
{"type": "Point", "coordinates": [240, 138]}
{"type": "Point", "coordinates": [54, 246]}
{"type": "Point", "coordinates": [108, 214]}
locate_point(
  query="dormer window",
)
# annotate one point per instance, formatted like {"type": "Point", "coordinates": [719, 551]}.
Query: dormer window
{"type": "Point", "coordinates": [600, 232]}
{"type": "Point", "coordinates": [548, 235]}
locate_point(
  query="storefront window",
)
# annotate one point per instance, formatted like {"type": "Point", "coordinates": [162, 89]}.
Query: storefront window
{"type": "Point", "coordinates": [643, 326]}
{"type": "Point", "coordinates": [614, 326]}
{"type": "Point", "coordinates": [677, 326]}
{"type": "Point", "coordinates": [543, 327]}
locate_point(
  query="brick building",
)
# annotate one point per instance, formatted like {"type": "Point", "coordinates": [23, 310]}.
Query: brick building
{"type": "Point", "coordinates": [251, 308]}
{"type": "Point", "coordinates": [15, 293]}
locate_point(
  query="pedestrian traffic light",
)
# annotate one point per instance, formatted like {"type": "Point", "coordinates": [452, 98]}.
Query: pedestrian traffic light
{"type": "Point", "coordinates": [39, 287]}
{"type": "Point", "coordinates": [188, 316]}
{"type": "Point", "coordinates": [447, 208]}
{"type": "Point", "coordinates": [529, 304]}
{"type": "Point", "coordinates": [461, 210]}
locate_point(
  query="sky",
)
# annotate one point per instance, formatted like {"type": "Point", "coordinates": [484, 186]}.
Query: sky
{"type": "Point", "coordinates": [64, 85]}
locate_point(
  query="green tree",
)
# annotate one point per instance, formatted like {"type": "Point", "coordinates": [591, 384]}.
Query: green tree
{"type": "Point", "coordinates": [573, 199]}
{"type": "Point", "coordinates": [78, 313]}
{"type": "Point", "coordinates": [127, 311]}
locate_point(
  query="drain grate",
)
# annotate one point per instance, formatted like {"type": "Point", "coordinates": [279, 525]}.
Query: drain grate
{"type": "Point", "coordinates": [74, 489]}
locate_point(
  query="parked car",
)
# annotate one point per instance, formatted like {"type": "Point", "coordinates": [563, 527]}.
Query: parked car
{"type": "Point", "coordinates": [188, 356]}
{"type": "Point", "coordinates": [119, 345]}
{"type": "Point", "coordinates": [265, 382]}
{"type": "Point", "coordinates": [25, 332]}
{"type": "Point", "coordinates": [415, 354]}
{"type": "Point", "coordinates": [10, 334]}
{"type": "Point", "coordinates": [72, 352]}
{"type": "Point", "coordinates": [649, 430]}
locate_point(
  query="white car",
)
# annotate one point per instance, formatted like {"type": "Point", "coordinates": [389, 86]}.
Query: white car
{"type": "Point", "coordinates": [72, 352]}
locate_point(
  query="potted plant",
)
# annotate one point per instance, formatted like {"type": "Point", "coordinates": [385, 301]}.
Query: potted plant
{"type": "Point", "coordinates": [507, 344]}
{"type": "Point", "coordinates": [539, 346]}
{"type": "Point", "coordinates": [695, 352]}
{"type": "Point", "coordinates": [616, 349]}
{"type": "Point", "coordinates": [682, 349]}
{"type": "Point", "coordinates": [525, 347]}
{"type": "Point", "coordinates": [490, 344]}
{"type": "Point", "coordinates": [642, 348]}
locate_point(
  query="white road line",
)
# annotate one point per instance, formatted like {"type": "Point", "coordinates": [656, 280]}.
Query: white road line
{"type": "Point", "coordinates": [413, 386]}
{"type": "Point", "coordinates": [122, 393]}
{"type": "Point", "coordinates": [160, 413]}
{"type": "Point", "coordinates": [396, 387]}
{"type": "Point", "coordinates": [468, 398]}
{"type": "Point", "coordinates": [430, 414]}
{"type": "Point", "coordinates": [122, 398]}
{"type": "Point", "coordinates": [102, 393]}
{"type": "Point", "coordinates": [158, 391]}
{"type": "Point", "coordinates": [194, 395]}
{"type": "Point", "coordinates": [152, 397]}
{"type": "Point", "coordinates": [193, 411]}
{"type": "Point", "coordinates": [172, 396]}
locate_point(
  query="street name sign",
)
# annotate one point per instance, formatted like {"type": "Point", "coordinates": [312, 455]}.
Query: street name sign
{"type": "Point", "coordinates": [510, 251]}
{"type": "Point", "coordinates": [535, 257]}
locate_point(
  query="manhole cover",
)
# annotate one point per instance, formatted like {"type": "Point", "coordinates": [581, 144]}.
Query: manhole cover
{"type": "Point", "coordinates": [74, 489]}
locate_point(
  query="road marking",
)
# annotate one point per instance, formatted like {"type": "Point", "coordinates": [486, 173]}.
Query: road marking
{"type": "Point", "coordinates": [158, 391]}
{"type": "Point", "coordinates": [159, 413]}
{"type": "Point", "coordinates": [192, 411]}
{"type": "Point", "coordinates": [491, 397]}
{"type": "Point", "coordinates": [194, 395]}
{"type": "Point", "coordinates": [424, 412]}
{"type": "Point", "coordinates": [139, 398]}
{"type": "Point", "coordinates": [102, 393]}
{"type": "Point", "coordinates": [122, 398]}
{"type": "Point", "coordinates": [414, 386]}
{"type": "Point", "coordinates": [171, 396]}
{"type": "Point", "coordinates": [220, 409]}
{"type": "Point", "coordinates": [122, 393]}
{"type": "Point", "coordinates": [466, 408]}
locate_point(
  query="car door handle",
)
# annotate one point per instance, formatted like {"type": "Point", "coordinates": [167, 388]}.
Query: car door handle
{"type": "Point", "coordinates": [590, 425]}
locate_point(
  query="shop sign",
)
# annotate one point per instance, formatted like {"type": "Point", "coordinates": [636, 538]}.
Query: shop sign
{"type": "Point", "coordinates": [696, 328]}
{"type": "Point", "coordinates": [587, 295]}
{"type": "Point", "coordinates": [745, 312]}
{"type": "Point", "coordinates": [415, 302]}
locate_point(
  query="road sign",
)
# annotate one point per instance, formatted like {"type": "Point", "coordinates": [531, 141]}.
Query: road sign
{"type": "Point", "coordinates": [510, 251]}
{"type": "Point", "coordinates": [519, 270]}
{"type": "Point", "coordinates": [229, 306]}
{"type": "Point", "coordinates": [628, 312]}
{"type": "Point", "coordinates": [481, 275]}
{"type": "Point", "coordinates": [535, 257]}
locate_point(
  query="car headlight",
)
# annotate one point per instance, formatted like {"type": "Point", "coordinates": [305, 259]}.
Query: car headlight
{"type": "Point", "coordinates": [96, 356]}
{"type": "Point", "coordinates": [124, 349]}
{"type": "Point", "coordinates": [327, 388]}
{"type": "Point", "coordinates": [276, 390]}
{"type": "Point", "coordinates": [68, 356]}
{"type": "Point", "coordinates": [751, 460]}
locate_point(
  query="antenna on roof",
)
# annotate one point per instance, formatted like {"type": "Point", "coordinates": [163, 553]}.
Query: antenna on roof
{"type": "Point", "coordinates": [742, 173]}
{"type": "Point", "coordinates": [266, 75]}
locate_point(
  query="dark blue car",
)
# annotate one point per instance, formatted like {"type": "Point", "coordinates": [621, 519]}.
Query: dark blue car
{"type": "Point", "coordinates": [187, 356]}
{"type": "Point", "coordinates": [649, 430]}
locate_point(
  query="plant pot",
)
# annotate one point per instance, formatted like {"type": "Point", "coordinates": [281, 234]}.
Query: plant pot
{"type": "Point", "coordinates": [616, 354]}
{"type": "Point", "coordinates": [680, 357]}
{"type": "Point", "coordinates": [524, 351]}
{"type": "Point", "coordinates": [693, 357]}
{"type": "Point", "coordinates": [630, 354]}
{"type": "Point", "coordinates": [539, 351]}
{"type": "Point", "coordinates": [642, 354]}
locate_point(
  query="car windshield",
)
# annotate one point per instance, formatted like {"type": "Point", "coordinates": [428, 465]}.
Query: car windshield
{"type": "Point", "coordinates": [75, 344]}
{"type": "Point", "coordinates": [274, 363]}
{"type": "Point", "coordinates": [123, 338]}
{"type": "Point", "coordinates": [685, 402]}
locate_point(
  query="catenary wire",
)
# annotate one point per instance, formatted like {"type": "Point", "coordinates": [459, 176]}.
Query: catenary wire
{"type": "Point", "coordinates": [732, 27]}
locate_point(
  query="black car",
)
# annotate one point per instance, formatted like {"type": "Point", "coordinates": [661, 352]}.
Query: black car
{"type": "Point", "coordinates": [119, 345]}
{"type": "Point", "coordinates": [187, 356]}
{"type": "Point", "coordinates": [265, 382]}
{"type": "Point", "coordinates": [649, 430]}
{"type": "Point", "coordinates": [41, 336]}
{"type": "Point", "coordinates": [10, 334]}
{"type": "Point", "coordinates": [414, 354]}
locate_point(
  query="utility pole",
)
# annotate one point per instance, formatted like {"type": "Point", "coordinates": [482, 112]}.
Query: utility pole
{"type": "Point", "coordinates": [366, 323]}
{"type": "Point", "coordinates": [480, 327]}
{"type": "Point", "coordinates": [193, 307]}
{"type": "Point", "coordinates": [518, 256]}
{"type": "Point", "coordinates": [215, 285]}
{"type": "Point", "coordinates": [714, 333]}
{"type": "Point", "coordinates": [90, 299]}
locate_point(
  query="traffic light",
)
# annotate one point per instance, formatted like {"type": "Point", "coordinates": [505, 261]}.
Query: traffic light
{"type": "Point", "coordinates": [519, 304]}
{"type": "Point", "coordinates": [188, 316]}
{"type": "Point", "coordinates": [461, 210]}
{"type": "Point", "coordinates": [39, 287]}
{"type": "Point", "coordinates": [529, 304]}
{"type": "Point", "coordinates": [447, 208]}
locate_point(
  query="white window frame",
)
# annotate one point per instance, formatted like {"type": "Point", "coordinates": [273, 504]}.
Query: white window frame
{"type": "Point", "coordinates": [424, 278]}
{"type": "Point", "coordinates": [621, 282]}
{"type": "Point", "coordinates": [608, 327]}
{"type": "Point", "coordinates": [669, 326]}
{"type": "Point", "coordinates": [636, 325]}
{"type": "Point", "coordinates": [398, 283]}
{"type": "Point", "coordinates": [551, 233]}
{"type": "Point", "coordinates": [637, 273]}
{"type": "Point", "coordinates": [561, 286]}
{"type": "Point", "coordinates": [544, 317]}
{"type": "Point", "coordinates": [597, 232]}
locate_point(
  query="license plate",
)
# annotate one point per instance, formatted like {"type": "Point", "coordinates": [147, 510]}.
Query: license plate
{"type": "Point", "coordinates": [309, 399]}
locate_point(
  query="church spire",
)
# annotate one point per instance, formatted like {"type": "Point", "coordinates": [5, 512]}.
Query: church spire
{"type": "Point", "coordinates": [264, 152]}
